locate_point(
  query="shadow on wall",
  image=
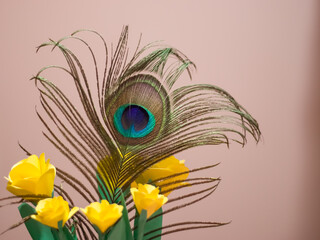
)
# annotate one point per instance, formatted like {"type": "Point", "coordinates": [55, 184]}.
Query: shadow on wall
{"type": "Point", "coordinates": [310, 199]}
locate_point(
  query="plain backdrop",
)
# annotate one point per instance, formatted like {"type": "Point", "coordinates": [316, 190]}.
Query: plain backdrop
{"type": "Point", "coordinates": [263, 52]}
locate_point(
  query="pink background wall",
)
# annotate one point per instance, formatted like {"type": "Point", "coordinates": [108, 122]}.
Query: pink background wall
{"type": "Point", "coordinates": [265, 53]}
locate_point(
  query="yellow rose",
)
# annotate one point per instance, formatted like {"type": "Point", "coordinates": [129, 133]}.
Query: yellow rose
{"type": "Point", "coordinates": [147, 197]}
{"type": "Point", "coordinates": [103, 214]}
{"type": "Point", "coordinates": [32, 176]}
{"type": "Point", "coordinates": [50, 211]}
{"type": "Point", "coordinates": [165, 168]}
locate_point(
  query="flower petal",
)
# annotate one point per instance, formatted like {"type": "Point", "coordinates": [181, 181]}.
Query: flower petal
{"type": "Point", "coordinates": [147, 197]}
{"type": "Point", "coordinates": [103, 215]}
{"type": "Point", "coordinates": [32, 176]}
{"type": "Point", "coordinates": [45, 183]}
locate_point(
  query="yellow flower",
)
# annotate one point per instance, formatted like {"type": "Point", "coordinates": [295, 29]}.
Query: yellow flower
{"type": "Point", "coordinates": [147, 197]}
{"type": "Point", "coordinates": [103, 214]}
{"type": "Point", "coordinates": [32, 176]}
{"type": "Point", "coordinates": [50, 211]}
{"type": "Point", "coordinates": [165, 168]}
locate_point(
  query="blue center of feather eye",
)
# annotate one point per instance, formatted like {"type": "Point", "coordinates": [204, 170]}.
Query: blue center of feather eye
{"type": "Point", "coordinates": [136, 116]}
{"type": "Point", "coordinates": [133, 121]}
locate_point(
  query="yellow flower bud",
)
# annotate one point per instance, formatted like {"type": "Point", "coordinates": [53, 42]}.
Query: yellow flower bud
{"type": "Point", "coordinates": [147, 197]}
{"type": "Point", "coordinates": [50, 211]}
{"type": "Point", "coordinates": [167, 167]}
{"type": "Point", "coordinates": [32, 176]}
{"type": "Point", "coordinates": [103, 214]}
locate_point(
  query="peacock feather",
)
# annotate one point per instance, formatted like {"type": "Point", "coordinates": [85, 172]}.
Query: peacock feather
{"type": "Point", "coordinates": [133, 117]}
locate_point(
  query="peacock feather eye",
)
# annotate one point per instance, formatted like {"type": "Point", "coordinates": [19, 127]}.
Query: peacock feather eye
{"type": "Point", "coordinates": [138, 111]}
{"type": "Point", "coordinates": [133, 121]}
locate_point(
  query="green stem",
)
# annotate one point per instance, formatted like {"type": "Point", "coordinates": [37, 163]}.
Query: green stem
{"type": "Point", "coordinates": [141, 224]}
{"type": "Point", "coordinates": [102, 236]}
{"type": "Point", "coordinates": [62, 236]}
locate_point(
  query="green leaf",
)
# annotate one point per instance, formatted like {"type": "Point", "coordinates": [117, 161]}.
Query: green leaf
{"type": "Point", "coordinates": [73, 230]}
{"type": "Point", "coordinates": [55, 233]}
{"type": "Point", "coordinates": [64, 233]}
{"type": "Point", "coordinates": [118, 232]}
{"type": "Point", "coordinates": [37, 230]}
{"type": "Point", "coordinates": [122, 229]}
{"type": "Point", "coordinates": [67, 233]}
{"type": "Point", "coordinates": [153, 224]}
{"type": "Point", "coordinates": [141, 224]}
{"type": "Point", "coordinates": [149, 226]}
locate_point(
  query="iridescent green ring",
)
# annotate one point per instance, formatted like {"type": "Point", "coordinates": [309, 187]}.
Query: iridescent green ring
{"type": "Point", "coordinates": [131, 132]}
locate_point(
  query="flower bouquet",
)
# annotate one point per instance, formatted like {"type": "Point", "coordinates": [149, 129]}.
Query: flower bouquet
{"type": "Point", "coordinates": [121, 138]}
